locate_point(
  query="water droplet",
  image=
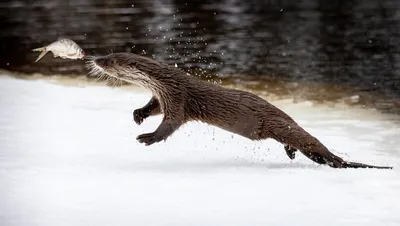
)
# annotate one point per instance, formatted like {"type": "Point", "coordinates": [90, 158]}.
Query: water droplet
{"type": "Point", "coordinates": [281, 10]}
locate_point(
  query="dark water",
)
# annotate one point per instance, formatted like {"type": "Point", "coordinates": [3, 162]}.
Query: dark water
{"type": "Point", "coordinates": [339, 47]}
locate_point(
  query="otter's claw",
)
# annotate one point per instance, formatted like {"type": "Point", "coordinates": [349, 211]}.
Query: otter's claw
{"type": "Point", "coordinates": [138, 116]}
{"type": "Point", "coordinates": [148, 138]}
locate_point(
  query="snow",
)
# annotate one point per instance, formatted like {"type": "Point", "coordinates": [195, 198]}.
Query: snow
{"type": "Point", "coordinates": [68, 156]}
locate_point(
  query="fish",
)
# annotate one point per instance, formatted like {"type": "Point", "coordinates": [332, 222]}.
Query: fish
{"type": "Point", "coordinates": [63, 48]}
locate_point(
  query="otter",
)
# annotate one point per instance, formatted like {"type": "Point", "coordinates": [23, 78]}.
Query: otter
{"type": "Point", "coordinates": [182, 98]}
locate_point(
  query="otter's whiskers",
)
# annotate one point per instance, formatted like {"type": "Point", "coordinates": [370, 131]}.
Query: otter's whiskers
{"type": "Point", "coordinates": [94, 70]}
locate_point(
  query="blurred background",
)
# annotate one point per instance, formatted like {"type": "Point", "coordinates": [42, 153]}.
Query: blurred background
{"type": "Point", "coordinates": [319, 50]}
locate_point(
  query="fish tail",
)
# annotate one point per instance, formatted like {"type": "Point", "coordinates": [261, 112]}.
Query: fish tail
{"type": "Point", "coordinates": [41, 49]}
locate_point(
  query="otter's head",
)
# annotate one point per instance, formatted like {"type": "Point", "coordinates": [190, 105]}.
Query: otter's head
{"type": "Point", "coordinates": [117, 65]}
{"type": "Point", "coordinates": [112, 64]}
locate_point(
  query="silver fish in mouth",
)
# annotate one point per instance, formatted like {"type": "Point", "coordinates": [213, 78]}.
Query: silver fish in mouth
{"type": "Point", "coordinates": [64, 48]}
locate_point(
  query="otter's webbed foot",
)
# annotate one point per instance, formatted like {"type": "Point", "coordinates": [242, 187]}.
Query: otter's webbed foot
{"type": "Point", "coordinates": [151, 108]}
{"type": "Point", "coordinates": [139, 115]}
{"type": "Point", "coordinates": [326, 158]}
{"type": "Point", "coordinates": [166, 128]}
{"type": "Point", "coordinates": [290, 151]}
{"type": "Point", "coordinates": [149, 138]}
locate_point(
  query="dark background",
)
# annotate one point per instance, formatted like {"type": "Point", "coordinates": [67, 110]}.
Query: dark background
{"type": "Point", "coordinates": [349, 43]}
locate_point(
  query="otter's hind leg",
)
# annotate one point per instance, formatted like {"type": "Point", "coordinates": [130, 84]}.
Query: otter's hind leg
{"type": "Point", "coordinates": [151, 108]}
{"type": "Point", "coordinates": [317, 152]}
{"type": "Point", "coordinates": [311, 147]}
{"type": "Point", "coordinates": [290, 151]}
{"type": "Point", "coordinates": [296, 138]}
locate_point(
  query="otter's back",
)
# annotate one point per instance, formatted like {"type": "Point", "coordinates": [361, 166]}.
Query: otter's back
{"type": "Point", "coordinates": [233, 110]}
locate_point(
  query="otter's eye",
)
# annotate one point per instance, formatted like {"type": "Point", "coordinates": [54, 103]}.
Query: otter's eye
{"type": "Point", "coordinates": [132, 65]}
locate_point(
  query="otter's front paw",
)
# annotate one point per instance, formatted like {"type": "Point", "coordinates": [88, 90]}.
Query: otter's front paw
{"type": "Point", "coordinates": [139, 116]}
{"type": "Point", "coordinates": [291, 152]}
{"type": "Point", "coordinates": [148, 138]}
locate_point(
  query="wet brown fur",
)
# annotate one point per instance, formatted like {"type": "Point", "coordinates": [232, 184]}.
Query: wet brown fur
{"type": "Point", "coordinates": [182, 98]}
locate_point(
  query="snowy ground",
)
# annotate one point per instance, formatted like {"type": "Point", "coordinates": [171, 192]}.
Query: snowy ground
{"type": "Point", "coordinates": [68, 156]}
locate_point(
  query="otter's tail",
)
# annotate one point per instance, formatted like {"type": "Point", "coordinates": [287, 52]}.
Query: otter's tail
{"type": "Point", "coordinates": [318, 153]}
{"type": "Point", "coordinates": [323, 156]}
{"type": "Point", "coordinates": [295, 138]}
{"type": "Point", "coordinates": [361, 165]}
